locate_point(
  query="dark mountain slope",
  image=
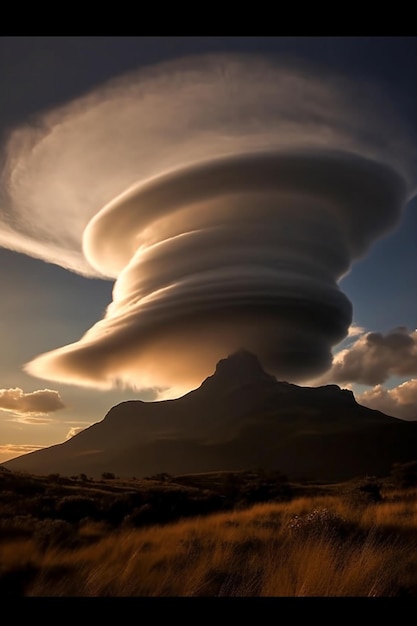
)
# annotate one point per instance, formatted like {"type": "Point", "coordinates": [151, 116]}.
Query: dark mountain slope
{"type": "Point", "coordinates": [239, 418]}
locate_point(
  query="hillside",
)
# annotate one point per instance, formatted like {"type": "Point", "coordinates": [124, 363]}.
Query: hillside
{"type": "Point", "coordinates": [240, 417]}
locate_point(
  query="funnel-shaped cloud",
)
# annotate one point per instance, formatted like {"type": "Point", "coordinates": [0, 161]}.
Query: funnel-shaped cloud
{"type": "Point", "coordinates": [236, 192]}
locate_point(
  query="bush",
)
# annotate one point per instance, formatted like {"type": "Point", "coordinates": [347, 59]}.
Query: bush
{"type": "Point", "coordinates": [163, 477]}
{"type": "Point", "coordinates": [115, 512]}
{"type": "Point", "coordinates": [75, 508]}
{"type": "Point", "coordinates": [321, 521]}
{"type": "Point", "coordinates": [369, 490]}
{"type": "Point", "coordinates": [405, 474]}
{"type": "Point", "coordinates": [18, 527]}
{"type": "Point", "coordinates": [55, 532]}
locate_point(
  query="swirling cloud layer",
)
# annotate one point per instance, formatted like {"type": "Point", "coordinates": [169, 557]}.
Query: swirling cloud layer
{"type": "Point", "coordinates": [226, 196]}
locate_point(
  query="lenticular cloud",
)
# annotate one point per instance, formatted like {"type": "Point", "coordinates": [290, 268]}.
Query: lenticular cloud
{"type": "Point", "coordinates": [226, 196]}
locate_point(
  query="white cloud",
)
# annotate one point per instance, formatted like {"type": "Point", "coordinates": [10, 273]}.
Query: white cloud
{"type": "Point", "coordinates": [374, 358]}
{"type": "Point", "coordinates": [74, 430]}
{"type": "Point", "coordinates": [355, 330]}
{"type": "Point", "coordinates": [32, 404]}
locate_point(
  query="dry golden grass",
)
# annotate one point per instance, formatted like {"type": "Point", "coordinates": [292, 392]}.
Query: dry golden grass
{"type": "Point", "coordinates": [312, 546]}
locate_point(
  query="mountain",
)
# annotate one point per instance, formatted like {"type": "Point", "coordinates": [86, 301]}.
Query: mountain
{"type": "Point", "coordinates": [241, 417]}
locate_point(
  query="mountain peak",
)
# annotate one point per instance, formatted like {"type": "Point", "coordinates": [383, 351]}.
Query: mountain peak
{"type": "Point", "coordinates": [239, 417]}
{"type": "Point", "coordinates": [239, 368]}
{"type": "Point", "coordinates": [240, 361]}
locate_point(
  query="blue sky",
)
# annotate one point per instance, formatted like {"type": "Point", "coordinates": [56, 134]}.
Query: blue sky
{"type": "Point", "coordinates": [46, 306]}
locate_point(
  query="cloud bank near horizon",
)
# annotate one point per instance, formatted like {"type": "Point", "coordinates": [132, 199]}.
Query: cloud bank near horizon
{"type": "Point", "coordinates": [226, 195]}
{"type": "Point", "coordinates": [374, 357]}
{"type": "Point", "coordinates": [11, 450]}
{"type": "Point", "coordinates": [400, 401]}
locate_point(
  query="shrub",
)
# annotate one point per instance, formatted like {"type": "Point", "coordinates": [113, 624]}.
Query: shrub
{"type": "Point", "coordinates": [55, 532]}
{"type": "Point", "coordinates": [405, 474]}
{"type": "Point", "coordinates": [321, 521]}
{"type": "Point", "coordinates": [163, 477]}
{"type": "Point", "coordinates": [369, 491]}
{"type": "Point", "coordinates": [74, 508]}
{"type": "Point", "coordinates": [18, 527]}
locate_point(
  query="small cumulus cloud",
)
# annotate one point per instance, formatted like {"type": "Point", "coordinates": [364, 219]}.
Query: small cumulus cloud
{"type": "Point", "coordinates": [29, 406]}
{"type": "Point", "coordinates": [355, 330]}
{"type": "Point", "coordinates": [74, 430]}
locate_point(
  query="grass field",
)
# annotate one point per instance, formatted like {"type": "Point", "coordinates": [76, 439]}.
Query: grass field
{"type": "Point", "coordinates": [324, 540]}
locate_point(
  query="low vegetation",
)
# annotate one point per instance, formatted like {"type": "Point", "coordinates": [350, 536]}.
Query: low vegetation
{"type": "Point", "coordinates": [219, 534]}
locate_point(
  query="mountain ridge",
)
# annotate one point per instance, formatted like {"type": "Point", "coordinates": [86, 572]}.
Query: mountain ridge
{"type": "Point", "coordinates": [239, 417]}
